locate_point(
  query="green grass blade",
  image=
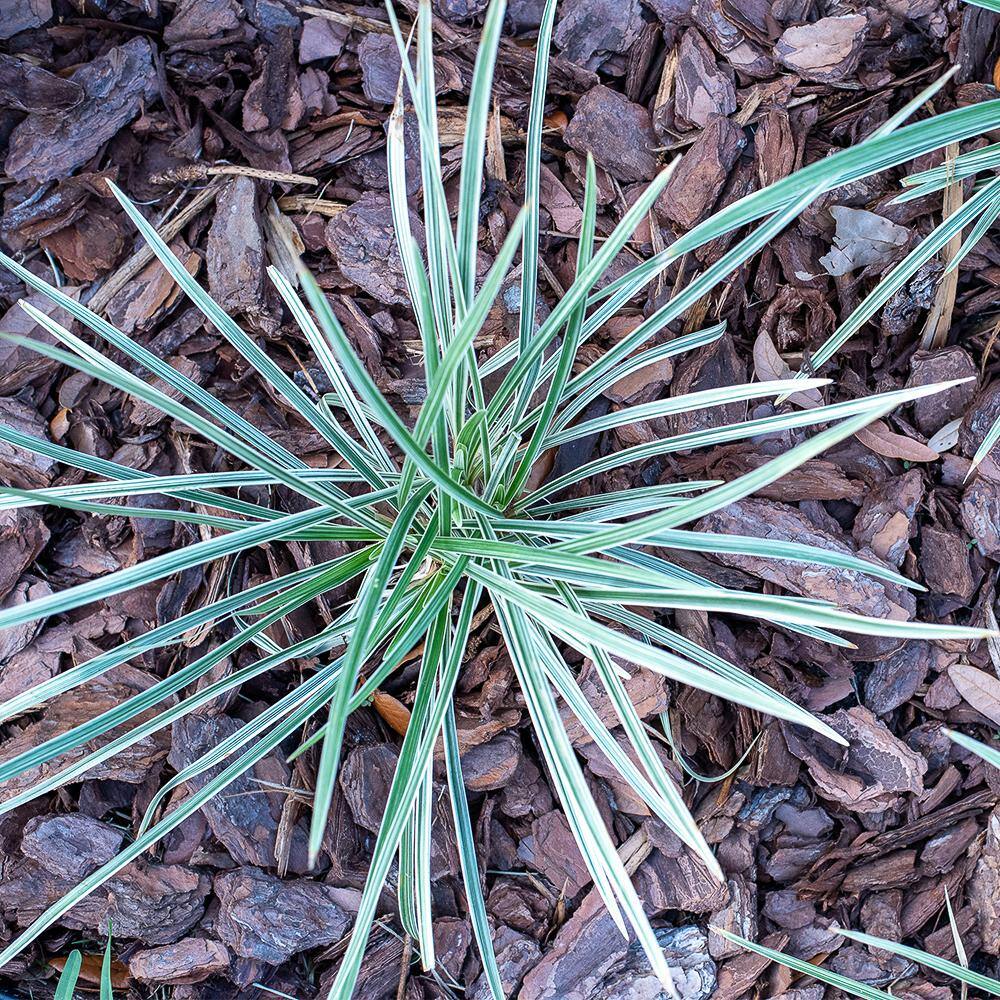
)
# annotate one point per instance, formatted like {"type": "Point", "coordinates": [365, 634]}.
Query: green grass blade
{"type": "Point", "coordinates": [473, 148]}
{"type": "Point", "coordinates": [888, 147]}
{"type": "Point", "coordinates": [140, 845]}
{"type": "Point", "coordinates": [222, 322]}
{"type": "Point", "coordinates": [769, 548]}
{"type": "Point", "coordinates": [134, 706]}
{"type": "Point", "coordinates": [184, 485]}
{"type": "Point", "coordinates": [421, 813]}
{"type": "Point", "coordinates": [964, 165]}
{"type": "Point", "coordinates": [106, 993]}
{"type": "Point", "coordinates": [154, 639]}
{"type": "Point", "coordinates": [69, 976]}
{"type": "Point", "coordinates": [785, 199]}
{"type": "Point", "coordinates": [440, 384]}
{"type": "Point", "coordinates": [157, 568]}
{"type": "Point", "coordinates": [106, 371]}
{"type": "Point", "coordinates": [369, 392]}
{"type": "Point", "coordinates": [708, 436]}
{"type": "Point", "coordinates": [978, 231]}
{"type": "Point", "coordinates": [514, 381]}
{"type": "Point", "coordinates": [710, 542]}
{"type": "Point", "coordinates": [621, 362]}
{"type": "Point", "coordinates": [331, 429]}
{"type": "Point", "coordinates": [566, 355]}
{"type": "Point", "coordinates": [405, 891]}
{"type": "Point", "coordinates": [532, 188]}
{"type": "Point", "coordinates": [785, 611]}
{"type": "Point", "coordinates": [602, 859]}
{"type": "Point", "coordinates": [988, 753]}
{"type": "Point", "coordinates": [426, 603]}
{"type": "Point", "coordinates": [118, 510]}
{"type": "Point", "coordinates": [372, 593]}
{"type": "Point", "coordinates": [441, 259]}
{"type": "Point", "coordinates": [139, 704]}
{"type": "Point", "coordinates": [985, 448]}
{"type": "Point", "coordinates": [655, 786]}
{"type": "Point", "coordinates": [409, 252]}
{"type": "Point", "coordinates": [848, 986]}
{"type": "Point", "coordinates": [416, 278]}
{"type": "Point", "coordinates": [408, 616]}
{"type": "Point", "coordinates": [156, 366]}
{"type": "Point", "coordinates": [253, 729]}
{"type": "Point", "coordinates": [665, 493]}
{"type": "Point", "coordinates": [405, 783]}
{"type": "Point", "coordinates": [641, 558]}
{"type": "Point", "coordinates": [374, 449]}
{"type": "Point", "coordinates": [468, 858]}
{"type": "Point", "coordinates": [686, 403]}
{"type": "Point", "coordinates": [892, 282]}
{"type": "Point", "coordinates": [683, 646]}
{"type": "Point", "coordinates": [580, 632]}
{"type": "Point", "coordinates": [721, 496]}
{"type": "Point", "coordinates": [953, 969]}
{"type": "Point", "coordinates": [102, 467]}
{"type": "Point", "coordinates": [532, 176]}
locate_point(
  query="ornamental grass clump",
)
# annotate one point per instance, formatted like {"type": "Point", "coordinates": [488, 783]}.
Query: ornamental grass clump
{"type": "Point", "coordinates": [442, 519]}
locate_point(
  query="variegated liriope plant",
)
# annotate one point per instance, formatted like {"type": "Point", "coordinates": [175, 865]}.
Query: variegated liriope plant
{"type": "Point", "coordinates": [441, 521]}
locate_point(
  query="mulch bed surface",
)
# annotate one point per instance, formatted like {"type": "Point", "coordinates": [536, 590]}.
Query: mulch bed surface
{"type": "Point", "coordinates": [166, 98]}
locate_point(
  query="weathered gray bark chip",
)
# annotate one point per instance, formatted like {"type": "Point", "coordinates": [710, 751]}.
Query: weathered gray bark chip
{"type": "Point", "coordinates": [49, 145]}
{"type": "Point", "coordinates": [362, 240]}
{"type": "Point", "coordinates": [270, 919]}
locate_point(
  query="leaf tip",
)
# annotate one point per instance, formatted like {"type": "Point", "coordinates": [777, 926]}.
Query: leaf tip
{"type": "Point", "coordinates": [832, 734]}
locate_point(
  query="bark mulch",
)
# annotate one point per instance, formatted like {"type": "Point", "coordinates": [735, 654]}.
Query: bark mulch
{"type": "Point", "coordinates": [246, 128]}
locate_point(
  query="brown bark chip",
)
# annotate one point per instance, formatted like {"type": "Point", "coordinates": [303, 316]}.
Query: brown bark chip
{"type": "Point", "coordinates": [703, 89]}
{"type": "Point", "coordinates": [191, 960]}
{"type": "Point", "coordinates": [616, 132]}
{"type": "Point", "coordinates": [25, 87]}
{"type": "Point", "coordinates": [362, 240]}
{"type": "Point", "coordinates": [236, 255]}
{"type": "Point", "coordinates": [246, 818]}
{"type": "Point", "coordinates": [590, 958]}
{"type": "Point", "coordinates": [587, 33]}
{"type": "Point", "coordinates": [826, 50]}
{"type": "Point", "coordinates": [70, 846]}
{"type": "Point", "coordinates": [703, 170]}
{"type": "Point", "coordinates": [20, 15]}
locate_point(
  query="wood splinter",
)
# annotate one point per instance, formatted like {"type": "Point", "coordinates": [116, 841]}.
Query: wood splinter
{"type": "Point", "coordinates": [189, 172]}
